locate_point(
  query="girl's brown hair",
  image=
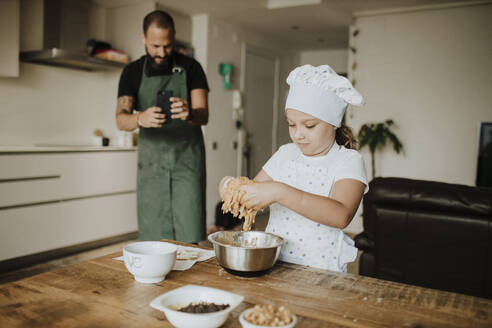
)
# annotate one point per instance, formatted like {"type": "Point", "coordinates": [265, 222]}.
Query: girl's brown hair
{"type": "Point", "coordinates": [345, 137]}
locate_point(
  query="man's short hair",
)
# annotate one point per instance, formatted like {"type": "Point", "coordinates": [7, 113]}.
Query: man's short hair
{"type": "Point", "coordinates": [161, 19]}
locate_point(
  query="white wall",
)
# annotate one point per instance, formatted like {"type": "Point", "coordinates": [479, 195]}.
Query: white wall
{"type": "Point", "coordinates": [31, 35]}
{"type": "Point", "coordinates": [182, 23]}
{"type": "Point", "coordinates": [9, 37]}
{"type": "Point", "coordinates": [288, 62]}
{"type": "Point", "coordinates": [335, 58]}
{"type": "Point", "coordinates": [56, 105]}
{"type": "Point", "coordinates": [430, 71]}
{"type": "Point", "coordinates": [124, 27]}
{"type": "Point", "coordinates": [199, 38]}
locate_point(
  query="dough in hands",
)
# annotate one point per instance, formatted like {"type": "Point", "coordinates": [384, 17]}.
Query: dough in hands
{"type": "Point", "coordinates": [232, 195]}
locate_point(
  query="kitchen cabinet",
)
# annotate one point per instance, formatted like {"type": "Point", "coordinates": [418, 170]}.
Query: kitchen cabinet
{"type": "Point", "coordinates": [9, 38]}
{"type": "Point", "coordinates": [39, 228]}
{"type": "Point", "coordinates": [51, 200]}
{"type": "Point", "coordinates": [27, 178]}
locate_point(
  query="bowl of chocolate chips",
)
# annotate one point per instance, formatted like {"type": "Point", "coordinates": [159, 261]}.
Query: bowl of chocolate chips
{"type": "Point", "coordinates": [194, 306]}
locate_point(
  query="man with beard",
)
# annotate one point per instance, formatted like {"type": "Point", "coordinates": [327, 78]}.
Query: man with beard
{"type": "Point", "coordinates": [171, 153]}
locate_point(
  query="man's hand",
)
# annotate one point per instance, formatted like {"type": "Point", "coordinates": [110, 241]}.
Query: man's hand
{"type": "Point", "coordinates": [152, 117]}
{"type": "Point", "coordinates": [179, 108]}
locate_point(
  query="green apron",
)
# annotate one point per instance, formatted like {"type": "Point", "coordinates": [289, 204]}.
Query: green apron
{"type": "Point", "coordinates": [171, 169]}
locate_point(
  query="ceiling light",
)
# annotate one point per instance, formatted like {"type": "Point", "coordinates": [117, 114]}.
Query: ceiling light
{"type": "Point", "coordinates": [275, 4]}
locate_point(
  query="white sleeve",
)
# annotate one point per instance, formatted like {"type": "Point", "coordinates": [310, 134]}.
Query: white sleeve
{"type": "Point", "coordinates": [272, 166]}
{"type": "Point", "coordinates": [352, 168]}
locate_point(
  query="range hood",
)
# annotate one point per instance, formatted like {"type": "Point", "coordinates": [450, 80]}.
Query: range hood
{"type": "Point", "coordinates": [65, 34]}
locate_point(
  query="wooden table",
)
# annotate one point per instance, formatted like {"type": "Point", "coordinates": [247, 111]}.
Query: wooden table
{"type": "Point", "coordinates": [102, 293]}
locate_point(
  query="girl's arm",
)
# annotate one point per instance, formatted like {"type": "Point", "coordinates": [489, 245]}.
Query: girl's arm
{"type": "Point", "coordinates": [262, 176]}
{"type": "Point", "coordinates": [336, 211]}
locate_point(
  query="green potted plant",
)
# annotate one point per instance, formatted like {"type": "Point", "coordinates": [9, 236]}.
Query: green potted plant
{"type": "Point", "coordinates": [376, 136]}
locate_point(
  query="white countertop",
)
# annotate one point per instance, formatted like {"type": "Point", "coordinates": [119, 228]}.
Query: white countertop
{"type": "Point", "coordinates": [61, 148]}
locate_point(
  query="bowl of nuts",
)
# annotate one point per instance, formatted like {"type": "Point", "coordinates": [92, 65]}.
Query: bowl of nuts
{"type": "Point", "coordinates": [193, 306]}
{"type": "Point", "coordinates": [267, 316]}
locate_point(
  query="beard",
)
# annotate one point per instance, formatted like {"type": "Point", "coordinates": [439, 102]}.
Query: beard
{"type": "Point", "coordinates": [165, 65]}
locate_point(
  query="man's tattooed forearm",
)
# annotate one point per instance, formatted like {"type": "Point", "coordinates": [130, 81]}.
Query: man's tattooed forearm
{"type": "Point", "coordinates": [125, 104]}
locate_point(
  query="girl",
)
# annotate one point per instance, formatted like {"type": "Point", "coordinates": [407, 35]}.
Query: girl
{"type": "Point", "coordinates": [315, 184]}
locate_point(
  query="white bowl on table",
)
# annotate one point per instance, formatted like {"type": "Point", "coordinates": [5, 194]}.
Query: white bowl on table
{"type": "Point", "coordinates": [180, 297]}
{"type": "Point", "coordinates": [247, 324]}
{"type": "Point", "coordinates": [149, 261]}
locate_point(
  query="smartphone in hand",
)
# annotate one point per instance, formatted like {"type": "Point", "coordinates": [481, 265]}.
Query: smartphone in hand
{"type": "Point", "coordinates": [163, 102]}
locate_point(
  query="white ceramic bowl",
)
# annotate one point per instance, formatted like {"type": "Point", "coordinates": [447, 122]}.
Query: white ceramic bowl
{"type": "Point", "coordinates": [180, 297]}
{"type": "Point", "coordinates": [149, 261]}
{"type": "Point", "coordinates": [247, 324]}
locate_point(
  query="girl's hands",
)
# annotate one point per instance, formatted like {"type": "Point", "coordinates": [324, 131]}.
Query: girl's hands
{"type": "Point", "coordinates": [222, 187]}
{"type": "Point", "coordinates": [259, 194]}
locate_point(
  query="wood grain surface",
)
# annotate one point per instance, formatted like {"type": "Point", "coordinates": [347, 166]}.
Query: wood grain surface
{"type": "Point", "coordinates": [102, 293]}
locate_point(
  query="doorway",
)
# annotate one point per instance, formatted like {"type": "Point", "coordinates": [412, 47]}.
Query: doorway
{"type": "Point", "coordinates": [259, 85]}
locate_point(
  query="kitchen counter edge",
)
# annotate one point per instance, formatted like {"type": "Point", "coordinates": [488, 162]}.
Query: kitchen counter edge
{"type": "Point", "coordinates": [61, 149]}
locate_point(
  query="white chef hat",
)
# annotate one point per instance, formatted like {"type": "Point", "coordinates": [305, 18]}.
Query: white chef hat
{"type": "Point", "coordinates": [322, 93]}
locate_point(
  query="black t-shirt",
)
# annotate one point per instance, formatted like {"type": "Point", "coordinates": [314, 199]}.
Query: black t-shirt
{"type": "Point", "coordinates": [131, 77]}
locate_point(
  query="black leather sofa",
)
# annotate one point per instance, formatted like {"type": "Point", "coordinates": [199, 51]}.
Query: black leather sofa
{"type": "Point", "coordinates": [430, 234]}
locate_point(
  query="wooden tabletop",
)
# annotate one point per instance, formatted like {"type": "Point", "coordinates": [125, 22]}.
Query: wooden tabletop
{"type": "Point", "coordinates": [102, 293]}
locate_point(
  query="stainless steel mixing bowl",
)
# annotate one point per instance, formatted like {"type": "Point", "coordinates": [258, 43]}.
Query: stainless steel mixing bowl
{"type": "Point", "coordinates": [252, 251]}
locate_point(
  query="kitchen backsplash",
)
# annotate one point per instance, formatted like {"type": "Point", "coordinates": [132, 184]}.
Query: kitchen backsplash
{"type": "Point", "coordinates": [57, 105]}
